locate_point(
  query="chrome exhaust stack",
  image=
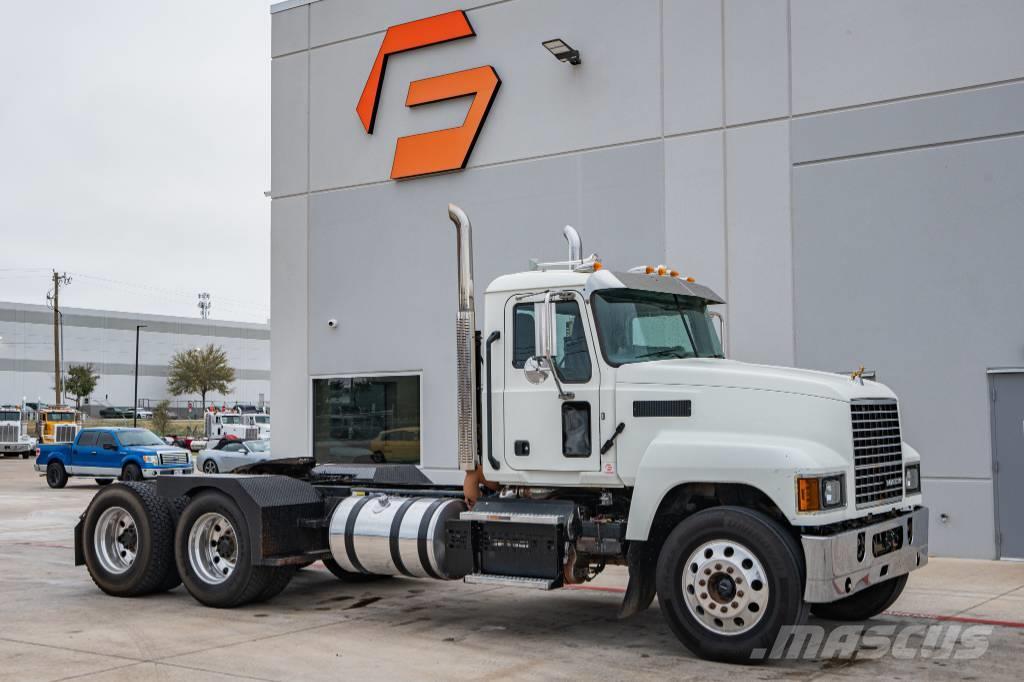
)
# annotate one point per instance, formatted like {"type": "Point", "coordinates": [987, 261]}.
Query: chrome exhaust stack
{"type": "Point", "coordinates": [575, 243]}
{"type": "Point", "coordinates": [465, 341]}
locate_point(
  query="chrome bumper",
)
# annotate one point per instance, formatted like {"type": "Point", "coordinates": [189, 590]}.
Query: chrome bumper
{"type": "Point", "coordinates": [17, 447]}
{"type": "Point", "coordinates": [177, 471]}
{"type": "Point", "coordinates": [835, 572]}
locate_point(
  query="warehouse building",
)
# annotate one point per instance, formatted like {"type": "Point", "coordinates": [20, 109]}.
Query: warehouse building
{"type": "Point", "coordinates": [107, 340]}
{"type": "Point", "coordinates": [846, 174]}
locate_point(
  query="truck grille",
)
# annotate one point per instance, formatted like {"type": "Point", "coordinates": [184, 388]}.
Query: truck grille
{"type": "Point", "coordinates": [173, 458]}
{"type": "Point", "coordinates": [8, 433]}
{"type": "Point", "coordinates": [64, 433]}
{"type": "Point", "coordinates": [877, 452]}
{"type": "Point", "coordinates": [252, 433]}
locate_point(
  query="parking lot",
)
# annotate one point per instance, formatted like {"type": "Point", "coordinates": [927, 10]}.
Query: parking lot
{"type": "Point", "coordinates": [58, 625]}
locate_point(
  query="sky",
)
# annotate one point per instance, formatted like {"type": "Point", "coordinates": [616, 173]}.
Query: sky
{"type": "Point", "coordinates": [134, 154]}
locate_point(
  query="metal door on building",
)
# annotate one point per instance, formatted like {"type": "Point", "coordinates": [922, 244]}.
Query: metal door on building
{"type": "Point", "coordinates": [1007, 396]}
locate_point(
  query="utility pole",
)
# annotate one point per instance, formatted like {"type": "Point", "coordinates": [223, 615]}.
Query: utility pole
{"type": "Point", "coordinates": [135, 410]}
{"type": "Point", "coordinates": [55, 299]}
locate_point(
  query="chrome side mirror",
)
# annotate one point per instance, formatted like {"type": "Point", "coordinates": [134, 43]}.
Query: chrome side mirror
{"type": "Point", "coordinates": [536, 371]}
{"type": "Point", "coordinates": [721, 329]}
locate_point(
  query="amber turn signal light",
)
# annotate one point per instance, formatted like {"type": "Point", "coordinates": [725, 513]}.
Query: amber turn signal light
{"type": "Point", "coordinates": [808, 494]}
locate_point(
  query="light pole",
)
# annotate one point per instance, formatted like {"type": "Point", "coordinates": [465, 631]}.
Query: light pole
{"type": "Point", "coordinates": [135, 407]}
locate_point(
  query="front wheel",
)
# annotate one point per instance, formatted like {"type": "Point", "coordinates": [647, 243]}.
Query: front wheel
{"type": "Point", "coordinates": [25, 455]}
{"type": "Point", "coordinates": [867, 603]}
{"type": "Point", "coordinates": [210, 467]}
{"type": "Point", "coordinates": [56, 475]}
{"type": "Point", "coordinates": [131, 472]}
{"type": "Point", "coordinates": [729, 579]}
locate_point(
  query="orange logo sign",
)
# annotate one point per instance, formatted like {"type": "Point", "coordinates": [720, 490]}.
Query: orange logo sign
{"type": "Point", "coordinates": [440, 150]}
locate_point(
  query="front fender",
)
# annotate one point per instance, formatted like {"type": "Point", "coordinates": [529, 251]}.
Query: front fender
{"type": "Point", "coordinates": [770, 465]}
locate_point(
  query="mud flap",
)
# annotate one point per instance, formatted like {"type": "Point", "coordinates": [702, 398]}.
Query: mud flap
{"type": "Point", "coordinates": [79, 551]}
{"type": "Point", "coordinates": [642, 558]}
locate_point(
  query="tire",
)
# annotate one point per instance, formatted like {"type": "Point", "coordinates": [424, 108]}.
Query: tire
{"type": "Point", "coordinates": [378, 457]}
{"type": "Point", "coordinates": [276, 585]}
{"type": "Point", "coordinates": [348, 576]}
{"type": "Point", "coordinates": [25, 455]}
{"type": "Point", "coordinates": [210, 467]}
{"type": "Point", "coordinates": [711, 550]}
{"type": "Point", "coordinates": [865, 604]}
{"type": "Point", "coordinates": [104, 481]}
{"type": "Point", "coordinates": [222, 574]}
{"type": "Point", "coordinates": [56, 475]}
{"type": "Point", "coordinates": [129, 506]}
{"type": "Point", "coordinates": [172, 579]}
{"type": "Point", "coordinates": [131, 472]}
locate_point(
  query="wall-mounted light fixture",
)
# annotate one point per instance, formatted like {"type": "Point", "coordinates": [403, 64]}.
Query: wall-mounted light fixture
{"type": "Point", "coordinates": [563, 51]}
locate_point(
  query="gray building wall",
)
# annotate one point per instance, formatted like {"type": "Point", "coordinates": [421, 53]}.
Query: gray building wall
{"type": "Point", "coordinates": [107, 340]}
{"type": "Point", "coordinates": [846, 174]}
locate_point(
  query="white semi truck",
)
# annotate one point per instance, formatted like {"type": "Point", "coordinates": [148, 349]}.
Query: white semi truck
{"type": "Point", "coordinates": [14, 438]}
{"type": "Point", "coordinates": [602, 425]}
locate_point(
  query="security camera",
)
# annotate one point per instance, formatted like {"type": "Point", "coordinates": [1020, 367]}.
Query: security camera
{"type": "Point", "coordinates": [332, 323]}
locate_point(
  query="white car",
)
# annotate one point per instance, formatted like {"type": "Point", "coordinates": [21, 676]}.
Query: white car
{"type": "Point", "coordinates": [231, 453]}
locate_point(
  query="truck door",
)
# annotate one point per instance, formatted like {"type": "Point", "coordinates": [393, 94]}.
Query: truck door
{"type": "Point", "coordinates": [83, 452]}
{"type": "Point", "coordinates": [107, 451]}
{"type": "Point", "coordinates": [542, 430]}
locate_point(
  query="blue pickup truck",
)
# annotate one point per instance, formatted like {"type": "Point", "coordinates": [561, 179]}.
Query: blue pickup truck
{"type": "Point", "coordinates": [106, 454]}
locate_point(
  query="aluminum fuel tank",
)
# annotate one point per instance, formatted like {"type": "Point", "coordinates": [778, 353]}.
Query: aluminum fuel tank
{"type": "Point", "coordinates": [388, 535]}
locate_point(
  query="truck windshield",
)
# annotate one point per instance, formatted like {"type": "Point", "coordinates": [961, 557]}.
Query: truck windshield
{"type": "Point", "coordinates": [230, 419]}
{"type": "Point", "coordinates": [141, 437]}
{"type": "Point", "coordinates": [59, 416]}
{"type": "Point", "coordinates": [10, 416]}
{"type": "Point", "coordinates": [639, 326]}
{"type": "Point", "coordinates": [262, 420]}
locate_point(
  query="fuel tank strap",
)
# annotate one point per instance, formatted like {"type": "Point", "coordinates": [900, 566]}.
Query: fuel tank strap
{"type": "Point", "coordinates": [422, 541]}
{"type": "Point", "coordinates": [396, 528]}
{"type": "Point", "coordinates": [350, 525]}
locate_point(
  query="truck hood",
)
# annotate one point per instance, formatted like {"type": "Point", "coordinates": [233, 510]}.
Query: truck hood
{"type": "Point", "coordinates": [733, 374]}
{"type": "Point", "coordinates": [152, 449]}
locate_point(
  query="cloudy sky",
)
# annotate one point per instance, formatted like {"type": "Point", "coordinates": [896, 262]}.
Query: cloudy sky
{"type": "Point", "coordinates": [134, 153]}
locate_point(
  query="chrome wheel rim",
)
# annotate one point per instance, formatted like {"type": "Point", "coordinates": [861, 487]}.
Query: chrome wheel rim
{"type": "Point", "coordinates": [209, 467]}
{"type": "Point", "coordinates": [725, 587]}
{"type": "Point", "coordinates": [116, 540]}
{"type": "Point", "coordinates": [213, 548]}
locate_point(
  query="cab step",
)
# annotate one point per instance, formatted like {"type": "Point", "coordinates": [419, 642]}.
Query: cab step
{"type": "Point", "coordinates": [511, 581]}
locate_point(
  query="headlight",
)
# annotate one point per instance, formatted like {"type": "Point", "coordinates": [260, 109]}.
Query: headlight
{"type": "Point", "coordinates": [151, 459]}
{"type": "Point", "coordinates": [820, 493]}
{"type": "Point", "coordinates": [913, 478]}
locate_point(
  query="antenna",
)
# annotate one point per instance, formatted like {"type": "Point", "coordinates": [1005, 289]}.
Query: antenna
{"type": "Point", "coordinates": [204, 305]}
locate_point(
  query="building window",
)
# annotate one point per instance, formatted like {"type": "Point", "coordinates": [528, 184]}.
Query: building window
{"type": "Point", "coordinates": [367, 419]}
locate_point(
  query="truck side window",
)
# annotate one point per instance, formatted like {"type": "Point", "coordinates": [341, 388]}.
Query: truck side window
{"type": "Point", "coordinates": [87, 438]}
{"type": "Point", "coordinates": [523, 341]}
{"type": "Point", "coordinates": [572, 359]}
{"type": "Point", "coordinates": [105, 439]}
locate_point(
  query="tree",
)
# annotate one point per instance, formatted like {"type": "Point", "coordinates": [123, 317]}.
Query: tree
{"type": "Point", "coordinates": [200, 370]}
{"type": "Point", "coordinates": [81, 382]}
{"type": "Point", "coordinates": [162, 417]}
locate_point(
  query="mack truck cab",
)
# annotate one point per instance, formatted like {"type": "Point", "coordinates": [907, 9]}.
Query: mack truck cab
{"type": "Point", "coordinates": [599, 423]}
{"type": "Point", "coordinates": [14, 438]}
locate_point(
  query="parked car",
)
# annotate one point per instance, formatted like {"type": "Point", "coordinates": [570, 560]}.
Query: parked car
{"type": "Point", "coordinates": [142, 412]}
{"type": "Point", "coordinates": [231, 453]}
{"type": "Point", "coordinates": [116, 412]}
{"type": "Point", "coordinates": [109, 453]}
{"type": "Point", "coordinates": [396, 445]}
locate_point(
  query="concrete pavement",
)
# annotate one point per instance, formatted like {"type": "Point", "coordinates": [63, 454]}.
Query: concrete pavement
{"type": "Point", "coordinates": [55, 624]}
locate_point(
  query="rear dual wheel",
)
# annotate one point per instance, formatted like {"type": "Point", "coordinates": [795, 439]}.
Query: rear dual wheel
{"type": "Point", "coordinates": [213, 553]}
{"type": "Point", "coordinates": [128, 540]}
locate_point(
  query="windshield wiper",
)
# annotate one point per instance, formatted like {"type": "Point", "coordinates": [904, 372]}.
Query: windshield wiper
{"type": "Point", "coordinates": [667, 352]}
